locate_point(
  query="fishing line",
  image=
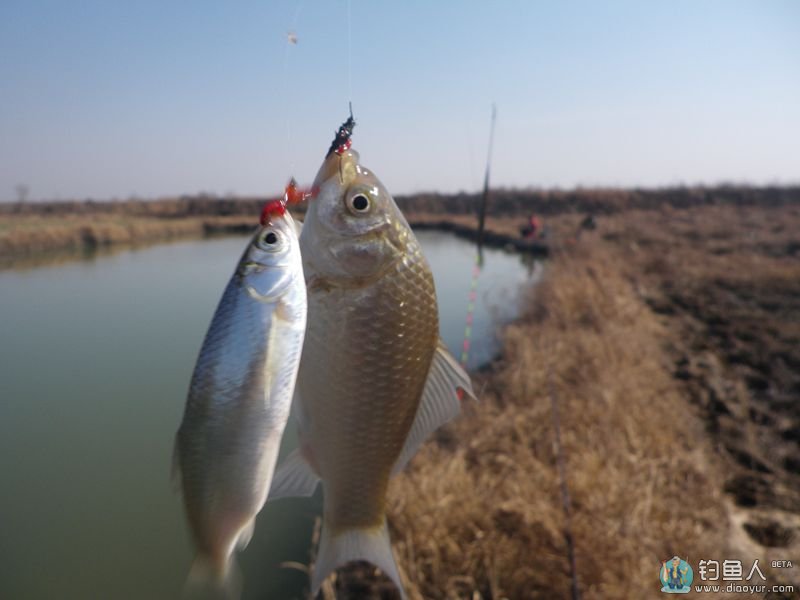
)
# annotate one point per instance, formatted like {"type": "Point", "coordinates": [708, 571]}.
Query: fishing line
{"type": "Point", "coordinates": [350, 57]}
{"type": "Point", "coordinates": [291, 40]}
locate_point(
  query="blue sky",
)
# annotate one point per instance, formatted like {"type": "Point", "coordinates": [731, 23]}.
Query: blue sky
{"type": "Point", "coordinates": [111, 99]}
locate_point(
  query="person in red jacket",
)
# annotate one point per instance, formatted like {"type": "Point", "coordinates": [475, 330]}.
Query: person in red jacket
{"type": "Point", "coordinates": [532, 229]}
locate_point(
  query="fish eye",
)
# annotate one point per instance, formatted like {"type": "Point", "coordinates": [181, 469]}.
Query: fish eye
{"type": "Point", "coordinates": [360, 203]}
{"type": "Point", "coordinates": [269, 240]}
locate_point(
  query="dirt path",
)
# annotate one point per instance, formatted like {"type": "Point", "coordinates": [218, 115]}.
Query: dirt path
{"type": "Point", "coordinates": [727, 282]}
{"type": "Point", "coordinates": [672, 339]}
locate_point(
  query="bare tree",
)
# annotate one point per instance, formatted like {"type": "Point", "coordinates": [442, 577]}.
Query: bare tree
{"type": "Point", "coordinates": [22, 192]}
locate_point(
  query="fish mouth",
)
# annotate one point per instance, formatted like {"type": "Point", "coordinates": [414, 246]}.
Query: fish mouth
{"type": "Point", "coordinates": [270, 295]}
{"type": "Point", "coordinates": [375, 234]}
{"type": "Point", "coordinates": [266, 298]}
{"type": "Point", "coordinates": [252, 266]}
{"type": "Point", "coordinates": [249, 266]}
{"type": "Point", "coordinates": [343, 166]}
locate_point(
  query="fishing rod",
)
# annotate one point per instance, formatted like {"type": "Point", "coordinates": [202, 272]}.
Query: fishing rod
{"type": "Point", "coordinates": [561, 465]}
{"type": "Point", "coordinates": [476, 269]}
{"type": "Point", "coordinates": [485, 196]}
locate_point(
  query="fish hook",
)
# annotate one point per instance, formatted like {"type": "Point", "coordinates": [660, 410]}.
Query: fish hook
{"type": "Point", "coordinates": [342, 142]}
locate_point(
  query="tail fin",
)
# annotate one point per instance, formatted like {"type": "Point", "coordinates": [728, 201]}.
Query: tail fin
{"type": "Point", "coordinates": [336, 549]}
{"type": "Point", "coordinates": [210, 581]}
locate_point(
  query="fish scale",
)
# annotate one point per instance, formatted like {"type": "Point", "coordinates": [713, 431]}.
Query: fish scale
{"type": "Point", "coordinates": [372, 406]}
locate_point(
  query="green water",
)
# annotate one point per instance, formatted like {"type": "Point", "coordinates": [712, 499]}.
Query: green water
{"type": "Point", "coordinates": [95, 360]}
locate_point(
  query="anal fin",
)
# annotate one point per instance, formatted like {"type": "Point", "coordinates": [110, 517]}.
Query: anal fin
{"type": "Point", "coordinates": [293, 477]}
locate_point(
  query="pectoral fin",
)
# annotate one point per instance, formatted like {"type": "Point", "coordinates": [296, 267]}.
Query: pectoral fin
{"type": "Point", "coordinates": [441, 401]}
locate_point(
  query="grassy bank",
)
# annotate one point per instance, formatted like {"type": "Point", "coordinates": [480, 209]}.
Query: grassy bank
{"type": "Point", "coordinates": [728, 283]}
{"type": "Point", "coordinates": [480, 510]}
{"type": "Point", "coordinates": [31, 240]}
{"type": "Point", "coordinates": [668, 340]}
{"type": "Point", "coordinates": [32, 231]}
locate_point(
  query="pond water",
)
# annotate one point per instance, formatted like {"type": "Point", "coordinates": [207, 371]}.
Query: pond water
{"type": "Point", "coordinates": [95, 360]}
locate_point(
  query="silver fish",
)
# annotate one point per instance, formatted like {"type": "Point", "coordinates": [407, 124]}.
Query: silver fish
{"type": "Point", "coordinates": [239, 399]}
{"type": "Point", "coordinates": [375, 379]}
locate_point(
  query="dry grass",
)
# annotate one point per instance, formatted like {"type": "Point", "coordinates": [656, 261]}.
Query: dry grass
{"type": "Point", "coordinates": [479, 513]}
{"type": "Point", "coordinates": [672, 343]}
{"type": "Point", "coordinates": [669, 337]}
{"type": "Point", "coordinates": [599, 200]}
{"type": "Point", "coordinates": [727, 281]}
{"type": "Point", "coordinates": [31, 228]}
{"type": "Point", "coordinates": [30, 239]}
